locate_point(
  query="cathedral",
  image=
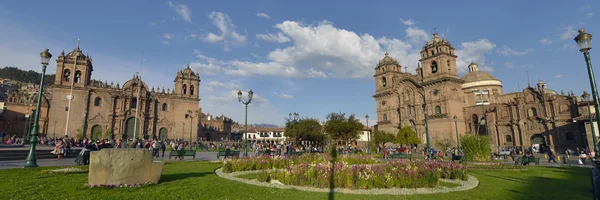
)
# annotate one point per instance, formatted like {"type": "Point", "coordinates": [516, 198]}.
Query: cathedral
{"type": "Point", "coordinates": [97, 109]}
{"type": "Point", "coordinates": [435, 99]}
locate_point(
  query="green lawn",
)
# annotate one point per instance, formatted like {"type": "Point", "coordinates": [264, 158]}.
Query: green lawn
{"type": "Point", "coordinates": [196, 180]}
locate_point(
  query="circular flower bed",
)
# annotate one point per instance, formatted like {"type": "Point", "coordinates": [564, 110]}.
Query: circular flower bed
{"type": "Point", "coordinates": [349, 172]}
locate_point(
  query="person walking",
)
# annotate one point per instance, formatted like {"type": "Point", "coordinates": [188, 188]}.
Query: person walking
{"type": "Point", "coordinates": [163, 148]}
{"type": "Point", "coordinates": [59, 149]}
{"type": "Point", "coordinates": [551, 156]}
{"type": "Point", "coordinates": [155, 146]}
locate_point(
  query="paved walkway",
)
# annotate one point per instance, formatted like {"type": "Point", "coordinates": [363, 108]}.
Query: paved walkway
{"type": "Point", "coordinates": [203, 156]}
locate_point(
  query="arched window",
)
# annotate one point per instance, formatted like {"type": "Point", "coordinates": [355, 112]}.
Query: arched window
{"type": "Point", "coordinates": [164, 107]}
{"type": "Point", "coordinates": [184, 89]}
{"type": "Point", "coordinates": [385, 117]}
{"type": "Point", "coordinates": [191, 89]}
{"type": "Point", "coordinates": [133, 103]}
{"type": "Point", "coordinates": [448, 64]}
{"type": "Point", "coordinates": [97, 101]}
{"type": "Point", "coordinates": [408, 109]}
{"type": "Point", "coordinates": [434, 67]}
{"type": "Point", "coordinates": [77, 76]}
{"type": "Point", "coordinates": [531, 112]}
{"type": "Point", "coordinates": [383, 81]}
{"type": "Point", "coordinates": [67, 75]}
{"type": "Point", "coordinates": [508, 138]}
{"type": "Point", "coordinates": [570, 136]}
{"type": "Point", "coordinates": [438, 110]}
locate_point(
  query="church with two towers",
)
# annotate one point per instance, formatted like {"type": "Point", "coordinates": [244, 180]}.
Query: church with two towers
{"type": "Point", "coordinates": [435, 98]}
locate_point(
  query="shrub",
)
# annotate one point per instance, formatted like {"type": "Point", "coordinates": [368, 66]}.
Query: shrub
{"type": "Point", "coordinates": [398, 174]}
{"type": "Point", "coordinates": [264, 163]}
{"type": "Point", "coordinates": [476, 148]}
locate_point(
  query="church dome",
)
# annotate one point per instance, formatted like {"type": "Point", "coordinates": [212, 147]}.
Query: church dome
{"type": "Point", "coordinates": [387, 60]}
{"type": "Point", "coordinates": [436, 40]}
{"type": "Point", "coordinates": [476, 76]}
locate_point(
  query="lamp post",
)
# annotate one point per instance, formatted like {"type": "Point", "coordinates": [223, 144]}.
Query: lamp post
{"type": "Point", "coordinates": [482, 103]}
{"type": "Point", "coordinates": [584, 40]}
{"type": "Point", "coordinates": [586, 98]}
{"type": "Point", "coordinates": [250, 94]}
{"type": "Point", "coordinates": [457, 140]}
{"type": "Point", "coordinates": [31, 160]}
{"type": "Point", "coordinates": [26, 128]}
{"type": "Point", "coordinates": [191, 115]}
{"type": "Point", "coordinates": [425, 115]}
{"type": "Point", "coordinates": [368, 134]}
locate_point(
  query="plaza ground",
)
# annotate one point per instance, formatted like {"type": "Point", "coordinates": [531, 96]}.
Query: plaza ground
{"type": "Point", "coordinates": [197, 180]}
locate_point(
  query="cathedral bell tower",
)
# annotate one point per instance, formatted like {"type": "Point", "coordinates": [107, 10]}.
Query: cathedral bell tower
{"type": "Point", "coordinates": [186, 83]}
{"type": "Point", "coordinates": [74, 68]}
{"type": "Point", "coordinates": [438, 59]}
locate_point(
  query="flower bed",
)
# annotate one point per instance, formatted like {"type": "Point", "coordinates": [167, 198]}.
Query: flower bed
{"type": "Point", "coordinates": [398, 174]}
{"type": "Point", "coordinates": [261, 163]}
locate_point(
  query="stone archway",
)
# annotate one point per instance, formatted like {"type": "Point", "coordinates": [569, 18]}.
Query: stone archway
{"type": "Point", "coordinates": [162, 133]}
{"type": "Point", "coordinates": [96, 132]}
{"type": "Point", "coordinates": [207, 136]}
{"type": "Point", "coordinates": [129, 127]}
{"type": "Point", "coordinates": [538, 140]}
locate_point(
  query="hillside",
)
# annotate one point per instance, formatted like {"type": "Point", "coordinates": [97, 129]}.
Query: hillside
{"type": "Point", "coordinates": [23, 76]}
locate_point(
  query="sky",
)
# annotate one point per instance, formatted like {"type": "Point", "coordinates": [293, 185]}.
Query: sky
{"type": "Point", "coordinates": [309, 57]}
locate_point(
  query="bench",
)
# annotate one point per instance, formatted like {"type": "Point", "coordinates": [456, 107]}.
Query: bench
{"type": "Point", "coordinates": [401, 156]}
{"type": "Point", "coordinates": [458, 158]}
{"type": "Point", "coordinates": [226, 154]}
{"type": "Point", "coordinates": [297, 153]}
{"type": "Point", "coordinates": [183, 153]}
{"type": "Point", "coordinates": [526, 160]}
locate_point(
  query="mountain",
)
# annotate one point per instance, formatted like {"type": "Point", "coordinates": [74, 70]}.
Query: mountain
{"type": "Point", "coordinates": [266, 125]}
{"type": "Point", "coordinates": [23, 76]}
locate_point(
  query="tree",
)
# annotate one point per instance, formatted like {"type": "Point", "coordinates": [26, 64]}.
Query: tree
{"type": "Point", "coordinates": [406, 136]}
{"type": "Point", "coordinates": [475, 147]}
{"type": "Point", "coordinates": [307, 129]}
{"type": "Point", "coordinates": [444, 144]}
{"type": "Point", "coordinates": [342, 128]}
{"type": "Point", "coordinates": [382, 137]}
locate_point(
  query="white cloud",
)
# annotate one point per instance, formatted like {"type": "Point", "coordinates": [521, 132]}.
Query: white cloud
{"type": "Point", "coordinates": [255, 56]}
{"type": "Point", "coordinates": [168, 36]}
{"type": "Point", "coordinates": [408, 22]}
{"type": "Point", "coordinates": [263, 15]}
{"type": "Point", "coordinates": [474, 51]}
{"type": "Point", "coordinates": [212, 85]}
{"type": "Point", "coordinates": [322, 51]}
{"type": "Point", "coordinates": [508, 65]}
{"type": "Point", "coordinates": [183, 11]}
{"type": "Point", "coordinates": [279, 37]}
{"type": "Point", "coordinates": [546, 41]}
{"type": "Point", "coordinates": [164, 42]}
{"type": "Point", "coordinates": [283, 95]}
{"type": "Point", "coordinates": [568, 33]}
{"type": "Point", "coordinates": [589, 15]}
{"type": "Point", "coordinates": [507, 51]}
{"type": "Point", "coordinates": [585, 7]}
{"type": "Point", "coordinates": [558, 76]}
{"type": "Point", "coordinates": [229, 36]}
{"type": "Point", "coordinates": [416, 35]}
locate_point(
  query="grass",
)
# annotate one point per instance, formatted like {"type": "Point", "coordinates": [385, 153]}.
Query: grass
{"type": "Point", "coordinates": [197, 180]}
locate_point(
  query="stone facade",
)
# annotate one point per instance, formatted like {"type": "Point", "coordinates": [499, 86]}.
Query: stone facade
{"type": "Point", "coordinates": [19, 113]}
{"type": "Point", "coordinates": [436, 94]}
{"type": "Point", "coordinates": [215, 128]}
{"type": "Point", "coordinates": [102, 110]}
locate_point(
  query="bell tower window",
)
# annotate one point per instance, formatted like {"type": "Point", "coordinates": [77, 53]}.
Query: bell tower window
{"type": "Point", "coordinates": [434, 67]}
{"type": "Point", "coordinates": [191, 89]}
{"type": "Point", "coordinates": [67, 75]}
{"type": "Point", "coordinates": [184, 89]}
{"type": "Point", "coordinates": [77, 76]}
{"type": "Point", "coordinates": [383, 82]}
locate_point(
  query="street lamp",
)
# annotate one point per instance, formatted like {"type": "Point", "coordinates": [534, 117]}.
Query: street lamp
{"type": "Point", "coordinates": [368, 134]}
{"type": "Point", "coordinates": [31, 160]}
{"type": "Point", "coordinates": [26, 128]}
{"type": "Point", "coordinates": [457, 140]}
{"type": "Point", "coordinates": [482, 103]}
{"type": "Point", "coordinates": [425, 115]}
{"type": "Point", "coordinates": [586, 98]}
{"type": "Point", "coordinates": [250, 94]}
{"type": "Point", "coordinates": [191, 115]}
{"type": "Point", "coordinates": [584, 40]}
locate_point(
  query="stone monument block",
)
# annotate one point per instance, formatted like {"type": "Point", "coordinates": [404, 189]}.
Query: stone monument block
{"type": "Point", "coordinates": [115, 166]}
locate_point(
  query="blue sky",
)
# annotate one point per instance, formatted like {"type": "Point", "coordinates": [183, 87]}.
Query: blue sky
{"type": "Point", "coordinates": [310, 57]}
